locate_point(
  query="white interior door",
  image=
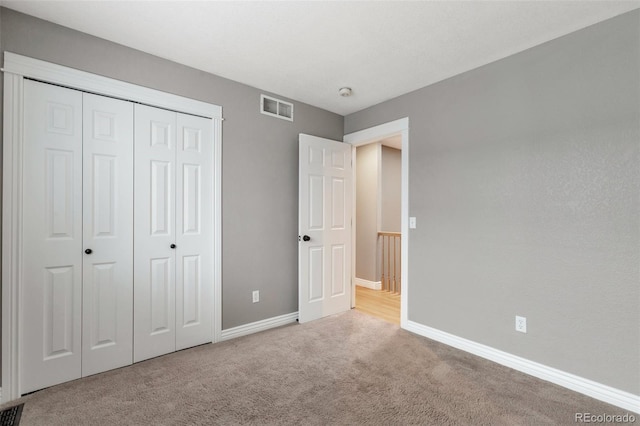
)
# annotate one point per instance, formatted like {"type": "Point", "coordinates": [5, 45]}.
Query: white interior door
{"type": "Point", "coordinates": [194, 231]}
{"type": "Point", "coordinates": [154, 232]}
{"type": "Point", "coordinates": [107, 324]}
{"type": "Point", "coordinates": [51, 296]}
{"type": "Point", "coordinates": [324, 221]}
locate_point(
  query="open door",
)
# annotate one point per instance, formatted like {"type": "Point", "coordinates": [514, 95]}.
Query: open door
{"type": "Point", "coordinates": [324, 228]}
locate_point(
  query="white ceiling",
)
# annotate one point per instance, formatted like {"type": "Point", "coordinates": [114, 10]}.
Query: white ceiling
{"type": "Point", "coordinates": [308, 50]}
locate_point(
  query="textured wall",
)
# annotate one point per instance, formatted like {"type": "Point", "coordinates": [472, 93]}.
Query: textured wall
{"type": "Point", "coordinates": [367, 170]}
{"type": "Point", "coordinates": [259, 160]}
{"type": "Point", "coordinates": [524, 177]}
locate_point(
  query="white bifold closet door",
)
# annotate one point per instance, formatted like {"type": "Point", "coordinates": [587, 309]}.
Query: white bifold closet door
{"type": "Point", "coordinates": [107, 308]}
{"type": "Point", "coordinates": [69, 331]}
{"type": "Point", "coordinates": [173, 232]}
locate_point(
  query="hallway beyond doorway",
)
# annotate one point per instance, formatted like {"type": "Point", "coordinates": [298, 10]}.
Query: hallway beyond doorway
{"type": "Point", "coordinates": [378, 303]}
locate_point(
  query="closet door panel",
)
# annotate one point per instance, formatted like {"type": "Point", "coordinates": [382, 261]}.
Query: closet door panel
{"type": "Point", "coordinates": [154, 232]}
{"type": "Point", "coordinates": [50, 351]}
{"type": "Point", "coordinates": [194, 223]}
{"type": "Point", "coordinates": [108, 234]}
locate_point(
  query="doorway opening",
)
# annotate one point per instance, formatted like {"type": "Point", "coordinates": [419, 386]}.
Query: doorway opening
{"type": "Point", "coordinates": [378, 234]}
{"type": "Point", "coordinates": [380, 220]}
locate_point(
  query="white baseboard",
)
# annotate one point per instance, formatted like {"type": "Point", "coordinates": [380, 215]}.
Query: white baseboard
{"type": "Point", "coordinates": [605, 393]}
{"type": "Point", "coordinates": [373, 285]}
{"type": "Point", "coordinates": [254, 327]}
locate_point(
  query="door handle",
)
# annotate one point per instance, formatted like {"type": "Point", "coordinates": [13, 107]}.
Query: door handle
{"type": "Point", "coordinates": [306, 238]}
{"type": "Point", "coordinates": [88, 251]}
{"type": "Point", "coordinates": [172, 246]}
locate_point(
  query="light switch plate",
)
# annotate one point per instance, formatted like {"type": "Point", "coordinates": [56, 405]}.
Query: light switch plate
{"type": "Point", "coordinates": [412, 222]}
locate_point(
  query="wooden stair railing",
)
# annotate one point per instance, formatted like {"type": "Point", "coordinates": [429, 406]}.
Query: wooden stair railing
{"type": "Point", "coordinates": [390, 260]}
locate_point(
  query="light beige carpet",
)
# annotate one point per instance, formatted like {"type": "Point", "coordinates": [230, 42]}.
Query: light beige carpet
{"type": "Point", "coordinates": [349, 369]}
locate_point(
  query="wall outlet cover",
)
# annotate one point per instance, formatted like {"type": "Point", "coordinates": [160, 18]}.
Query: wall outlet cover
{"type": "Point", "coordinates": [521, 324]}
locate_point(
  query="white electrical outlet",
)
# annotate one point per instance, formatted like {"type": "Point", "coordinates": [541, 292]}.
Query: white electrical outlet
{"type": "Point", "coordinates": [521, 324]}
{"type": "Point", "coordinates": [256, 296]}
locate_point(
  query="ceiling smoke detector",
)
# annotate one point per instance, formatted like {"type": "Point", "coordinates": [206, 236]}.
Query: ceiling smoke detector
{"type": "Point", "coordinates": [345, 91]}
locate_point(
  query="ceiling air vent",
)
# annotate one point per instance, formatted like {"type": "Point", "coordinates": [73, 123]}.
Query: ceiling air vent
{"type": "Point", "coordinates": [276, 108]}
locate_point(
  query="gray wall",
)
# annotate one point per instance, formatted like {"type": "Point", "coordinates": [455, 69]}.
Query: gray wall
{"type": "Point", "coordinates": [367, 170]}
{"type": "Point", "coordinates": [390, 193]}
{"type": "Point", "coordinates": [524, 178]}
{"type": "Point", "coordinates": [259, 161]}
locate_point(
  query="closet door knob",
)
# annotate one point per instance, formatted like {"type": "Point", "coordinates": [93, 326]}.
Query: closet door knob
{"type": "Point", "coordinates": [88, 251]}
{"type": "Point", "coordinates": [172, 246]}
{"type": "Point", "coordinates": [306, 238]}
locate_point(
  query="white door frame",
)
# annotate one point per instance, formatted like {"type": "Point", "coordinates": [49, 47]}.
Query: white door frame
{"type": "Point", "coordinates": [16, 69]}
{"type": "Point", "coordinates": [375, 134]}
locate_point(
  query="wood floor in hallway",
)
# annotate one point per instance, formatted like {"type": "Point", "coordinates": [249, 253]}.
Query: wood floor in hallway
{"type": "Point", "coordinates": [378, 303]}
